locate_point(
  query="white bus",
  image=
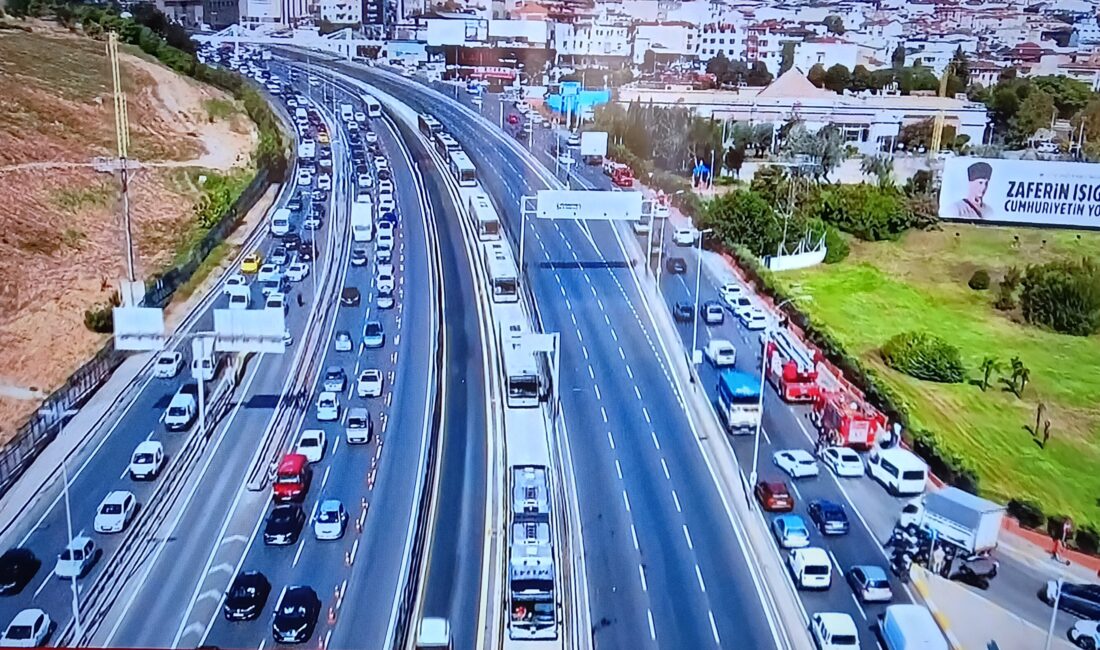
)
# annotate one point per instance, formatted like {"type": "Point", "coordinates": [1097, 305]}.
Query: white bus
{"type": "Point", "coordinates": [523, 379]}
{"type": "Point", "coordinates": [374, 108]}
{"type": "Point", "coordinates": [485, 216]}
{"type": "Point", "coordinates": [463, 169]}
{"type": "Point", "coordinates": [429, 126]}
{"type": "Point", "coordinates": [501, 268]}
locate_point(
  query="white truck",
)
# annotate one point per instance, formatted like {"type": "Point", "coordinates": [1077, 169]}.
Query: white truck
{"type": "Point", "coordinates": [362, 221]}
{"type": "Point", "coordinates": [182, 409]}
{"type": "Point", "coordinates": [434, 634]}
{"type": "Point", "coordinates": [960, 518]}
{"type": "Point", "coordinates": [347, 112]}
{"type": "Point", "coordinates": [593, 147]}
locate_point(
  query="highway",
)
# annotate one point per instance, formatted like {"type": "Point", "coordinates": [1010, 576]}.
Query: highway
{"type": "Point", "coordinates": [665, 570]}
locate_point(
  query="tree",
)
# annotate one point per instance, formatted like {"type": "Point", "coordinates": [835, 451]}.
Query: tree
{"type": "Point", "coordinates": [1036, 112]}
{"type": "Point", "coordinates": [734, 159]}
{"type": "Point", "coordinates": [719, 66]}
{"type": "Point", "coordinates": [758, 75]}
{"type": "Point", "coordinates": [1069, 95]}
{"type": "Point", "coordinates": [861, 79]}
{"type": "Point", "coordinates": [786, 61]}
{"type": "Point", "coordinates": [761, 138]}
{"type": "Point", "coordinates": [834, 23]}
{"type": "Point", "coordinates": [770, 182]}
{"type": "Point", "coordinates": [880, 167]}
{"type": "Point", "coordinates": [838, 78]}
{"type": "Point", "coordinates": [898, 57]}
{"type": "Point", "coordinates": [1063, 295]}
{"type": "Point", "coordinates": [825, 148]}
{"type": "Point", "coordinates": [1020, 376]}
{"type": "Point", "coordinates": [916, 78]}
{"type": "Point", "coordinates": [743, 218]}
{"type": "Point", "coordinates": [816, 75]}
{"type": "Point", "coordinates": [959, 78]}
{"type": "Point", "coordinates": [989, 366]}
{"type": "Point", "coordinates": [1089, 118]}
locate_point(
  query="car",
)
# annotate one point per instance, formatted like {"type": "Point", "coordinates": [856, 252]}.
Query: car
{"type": "Point", "coordinates": [307, 251]}
{"type": "Point", "coordinates": [297, 271]}
{"type": "Point", "coordinates": [115, 512]}
{"type": "Point", "coordinates": [284, 525]}
{"type": "Point", "coordinates": [323, 138]}
{"type": "Point", "coordinates": [324, 182]}
{"type": "Point", "coordinates": [774, 496]}
{"type": "Point", "coordinates": [342, 341]}
{"type": "Point", "coordinates": [385, 175]}
{"type": "Point", "coordinates": [288, 338]}
{"type": "Point", "coordinates": [1080, 599]}
{"type": "Point", "coordinates": [380, 162]}
{"type": "Point", "coordinates": [369, 383]}
{"type": "Point", "coordinates": [292, 241]}
{"type": "Point", "coordinates": [683, 311]}
{"type": "Point", "coordinates": [312, 222]}
{"type": "Point", "coordinates": [754, 319]}
{"type": "Point", "coordinates": [234, 281]}
{"type": "Point", "coordinates": [565, 159]}
{"type": "Point", "coordinates": [386, 203]}
{"type": "Point", "coordinates": [363, 196]}
{"type": "Point", "coordinates": [373, 334]}
{"type": "Point", "coordinates": [829, 516]}
{"type": "Point", "coordinates": [360, 116]}
{"type": "Point", "coordinates": [371, 137]}
{"type": "Point", "coordinates": [720, 353]}
{"type": "Point", "coordinates": [295, 615]}
{"type": "Point", "coordinates": [353, 127]}
{"type": "Point", "coordinates": [77, 559]}
{"type": "Point", "coordinates": [870, 583]}
{"type": "Point", "coordinates": [386, 283]}
{"type": "Point", "coordinates": [29, 629]}
{"type": "Point", "coordinates": [513, 118]}
{"type": "Point", "coordinates": [358, 256]}
{"type": "Point", "coordinates": [844, 462]}
{"type": "Point", "coordinates": [384, 256]}
{"type": "Point", "coordinates": [246, 596]}
{"type": "Point", "coordinates": [335, 379]}
{"type": "Point", "coordinates": [146, 461]}
{"type": "Point", "coordinates": [305, 177]}
{"type": "Point", "coordinates": [364, 180]}
{"type": "Point", "coordinates": [268, 272]}
{"type": "Point", "coordinates": [797, 463]}
{"type": "Point", "coordinates": [349, 297]}
{"type": "Point", "coordinates": [328, 406]}
{"type": "Point", "coordinates": [676, 265]}
{"type": "Point", "coordinates": [739, 304]}
{"type": "Point", "coordinates": [251, 262]}
{"type": "Point", "coordinates": [325, 162]}
{"type": "Point", "coordinates": [387, 226]}
{"type": "Point", "coordinates": [712, 313]}
{"type": "Point", "coordinates": [168, 364]}
{"type": "Point", "coordinates": [331, 520]}
{"type": "Point", "coordinates": [385, 301]}
{"type": "Point", "coordinates": [320, 196]}
{"type": "Point", "coordinates": [574, 140]}
{"type": "Point", "coordinates": [1085, 634]}
{"type": "Point", "coordinates": [729, 292]}
{"type": "Point", "coordinates": [834, 631]}
{"type": "Point", "coordinates": [384, 239]}
{"type": "Point", "coordinates": [18, 567]}
{"type": "Point", "coordinates": [276, 300]}
{"type": "Point", "coordinates": [684, 236]}
{"type": "Point", "coordinates": [240, 298]}
{"type": "Point", "coordinates": [385, 186]}
{"type": "Point", "coordinates": [810, 567]}
{"type": "Point", "coordinates": [311, 444]}
{"type": "Point", "coordinates": [790, 531]}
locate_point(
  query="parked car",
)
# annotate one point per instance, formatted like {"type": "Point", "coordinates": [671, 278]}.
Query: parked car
{"type": "Point", "coordinates": [683, 311]}
{"type": "Point", "coordinates": [829, 516]}
{"type": "Point", "coordinates": [676, 265]}
{"type": "Point", "coordinates": [246, 597]}
{"type": "Point", "coordinates": [797, 463]}
{"type": "Point", "coordinates": [774, 496]}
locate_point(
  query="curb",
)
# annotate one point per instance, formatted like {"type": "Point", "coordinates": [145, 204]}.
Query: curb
{"type": "Point", "coordinates": [919, 583]}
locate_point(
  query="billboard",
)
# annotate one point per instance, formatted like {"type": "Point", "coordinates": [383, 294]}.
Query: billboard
{"type": "Point", "coordinates": [1034, 192]}
{"type": "Point", "coordinates": [588, 204]}
{"type": "Point", "coordinates": [249, 330]}
{"type": "Point", "coordinates": [594, 143]}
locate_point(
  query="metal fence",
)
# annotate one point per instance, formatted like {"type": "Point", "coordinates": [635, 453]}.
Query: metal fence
{"type": "Point", "coordinates": [41, 428]}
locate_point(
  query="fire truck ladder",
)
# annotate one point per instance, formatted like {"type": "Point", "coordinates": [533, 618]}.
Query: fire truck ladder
{"type": "Point", "coordinates": [793, 350]}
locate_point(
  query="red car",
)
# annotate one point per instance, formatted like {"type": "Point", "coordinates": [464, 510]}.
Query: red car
{"type": "Point", "coordinates": [513, 118]}
{"type": "Point", "coordinates": [774, 496]}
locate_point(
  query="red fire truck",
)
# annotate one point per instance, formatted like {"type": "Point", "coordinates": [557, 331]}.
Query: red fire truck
{"type": "Point", "coordinates": [620, 174]}
{"type": "Point", "coordinates": [792, 368]}
{"type": "Point", "coordinates": [845, 420]}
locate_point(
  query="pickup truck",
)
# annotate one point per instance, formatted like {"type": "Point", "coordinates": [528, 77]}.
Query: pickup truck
{"type": "Point", "coordinates": [182, 409]}
{"type": "Point", "coordinates": [960, 518]}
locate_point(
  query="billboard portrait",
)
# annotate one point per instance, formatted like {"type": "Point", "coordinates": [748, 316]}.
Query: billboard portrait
{"type": "Point", "coordinates": [1032, 192]}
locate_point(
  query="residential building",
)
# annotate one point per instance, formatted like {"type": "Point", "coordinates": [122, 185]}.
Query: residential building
{"type": "Point", "coordinates": [188, 13]}
{"type": "Point", "coordinates": [672, 43]}
{"type": "Point", "coordinates": [826, 51]}
{"type": "Point", "coordinates": [727, 39]}
{"type": "Point", "coordinates": [274, 13]}
{"type": "Point", "coordinates": [592, 44]}
{"type": "Point", "coordinates": [342, 12]}
{"type": "Point", "coordinates": [219, 14]}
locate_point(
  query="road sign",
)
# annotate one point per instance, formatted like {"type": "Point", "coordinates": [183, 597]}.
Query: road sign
{"type": "Point", "coordinates": [138, 328]}
{"type": "Point", "coordinates": [589, 204]}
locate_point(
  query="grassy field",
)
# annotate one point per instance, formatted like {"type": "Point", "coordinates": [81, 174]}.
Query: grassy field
{"type": "Point", "coordinates": [919, 283]}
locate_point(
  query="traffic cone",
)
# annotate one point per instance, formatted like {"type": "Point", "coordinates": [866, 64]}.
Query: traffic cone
{"type": "Point", "coordinates": [331, 617]}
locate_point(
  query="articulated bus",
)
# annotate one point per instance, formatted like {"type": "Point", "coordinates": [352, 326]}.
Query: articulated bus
{"type": "Point", "coordinates": [445, 144]}
{"type": "Point", "coordinates": [374, 108]}
{"type": "Point", "coordinates": [463, 169]}
{"type": "Point", "coordinates": [526, 371]}
{"type": "Point", "coordinates": [485, 216]}
{"type": "Point", "coordinates": [501, 268]}
{"type": "Point", "coordinates": [429, 126]}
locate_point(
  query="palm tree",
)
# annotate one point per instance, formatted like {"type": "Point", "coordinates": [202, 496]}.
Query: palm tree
{"type": "Point", "coordinates": [881, 167]}
{"type": "Point", "coordinates": [989, 366]}
{"type": "Point", "coordinates": [1020, 376]}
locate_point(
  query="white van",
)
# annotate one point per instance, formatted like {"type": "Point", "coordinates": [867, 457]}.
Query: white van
{"type": "Point", "coordinates": [910, 627]}
{"type": "Point", "coordinates": [899, 470]}
{"type": "Point", "coordinates": [280, 222]}
{"type": "Point", "coordinates": [347, 112]}
{"type": "Point", "coordinates": [810, 567]}
{"type": "Point", "coordinates": [182, 409]}
{"type": "Point", "coordinates": [146, 461]}
{"type": "Point", "coordinates": [362, 222]}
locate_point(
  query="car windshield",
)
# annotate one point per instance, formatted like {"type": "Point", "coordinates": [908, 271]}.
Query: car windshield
{"type": "Point", "coordinates": [243, 591]}
{"type": "Point", "coordinates": [177, 411]}
{"type": "Point", "coordinates": [72, 554]}
{"type": "Point", "coordinates": [143, 459]}
{"type": "Point", "coordinates": [329, 517]}
{"type": "Point", "coordinates": [308, 442]}
{"type": "Point", "coordinates": [111, 509]}
{"type": "Point", "coordinates": [878, 583]}
{"type": "Point", "coordinates": [292, 611]}
{"type": "Point", "coordinates": [166, 361]}
{"type": "Point", "coordinates": [19, 632]}
{"type": "Point", "coordinates": [844, 640]}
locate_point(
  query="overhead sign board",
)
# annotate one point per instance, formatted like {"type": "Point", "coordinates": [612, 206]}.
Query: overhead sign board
{"type": "Point", "coordinates": [594, 143]}
{"type": "Point", "coordinates": [1033, 192]}
{"type": "Point", "coordinates": [588, 204]}
{"type": "Point", "coordinates": [249, 330]}
{"type": "Point", "coordinates": [138, 328]}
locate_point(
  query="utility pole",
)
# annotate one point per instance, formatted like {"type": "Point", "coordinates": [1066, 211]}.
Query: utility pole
{"type": "Point", "coordinates": [122, 138]}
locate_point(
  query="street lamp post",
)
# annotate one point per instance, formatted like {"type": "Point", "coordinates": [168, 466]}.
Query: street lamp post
{"type": "Point", "coordinates": [649, 245]}
{"type": "Point", "coordinates": [764, 341]}
{"type": "Point", "coordinates": [1054, 613]}
{"type": "Point", "coordinates": [69, 524]}
{"type": "Point", "coordinates": [698, 277]}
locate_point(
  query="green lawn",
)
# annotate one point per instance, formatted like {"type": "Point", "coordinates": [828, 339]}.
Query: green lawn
{"type": "Point", "coordinates": [920, 283]}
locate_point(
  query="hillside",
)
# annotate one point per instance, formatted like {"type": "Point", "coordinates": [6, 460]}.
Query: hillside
{"type": "Point", "coordinates": [60, 236]}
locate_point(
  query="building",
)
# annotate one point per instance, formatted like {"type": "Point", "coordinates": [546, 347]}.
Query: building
{"type": "Point", "coordinates": [592, 43]}
{"type": "Point", "coordinates": [189, 13]}
{"type": "Point", "coordinates": [826, 51]}
{"type": "Point", "coordinates": [342, 12]}
{"type": "Point", "coordinates": [671, 43]}
{"type": "Point", "coordinates": [219, 14]}
{"type": "Point", "coordinates": [870, 123]}
{"type": "Point", "coordinates": [273, 13]}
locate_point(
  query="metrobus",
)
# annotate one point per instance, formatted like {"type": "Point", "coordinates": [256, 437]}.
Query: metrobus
{"type": "Point", "coordinates": [463, 170]}
{"type": "Point", "coordinates": [374, 107]}
{"type": "Point", "coordinates": [429, 126]}
{"type": "Point", "coordinates": [485, 216]}
{"type": "Point", "coordinates": [445, 144]}
{"type": "Point", "coordinates": [503, 276]}
{"type": "Point", "coordinates": [739, 401]}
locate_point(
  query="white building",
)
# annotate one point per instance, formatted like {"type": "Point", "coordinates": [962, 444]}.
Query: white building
{"type": "Point", "coordinates": [592, 43]}
{"type": "Point", "coordinates": [342, 12]}
{"type": "Point", "coordinates": [827, 51]}
{"type": "Point", "coordinates": [277, 13]}
{"type": "Point", "coordinates": [669, 41]}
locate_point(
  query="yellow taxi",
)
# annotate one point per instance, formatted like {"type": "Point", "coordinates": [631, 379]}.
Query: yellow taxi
{"type": "Point", "coordinates": [322, 137]}
{"type": "Point", "coordinates": [251, 262]}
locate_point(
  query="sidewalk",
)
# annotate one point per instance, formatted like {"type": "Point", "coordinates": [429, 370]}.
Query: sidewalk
{"type": "Point", "coordinates": [974, 623]}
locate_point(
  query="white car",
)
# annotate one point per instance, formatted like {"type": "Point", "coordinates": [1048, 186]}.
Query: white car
{"type": "Point", "coordinates": [297, 271]}
{"type": "Point", "coordinates": [797, 463]}
{"type": "Point", "coordinates": [305, 177]}
{"type": "Point", "coordinates": [810, 567]}
{"type": "Point", "coordinates": [353, 127]}
{"type": "Point", "coordinates": [844, 462]}
{"type": "Point", "coordinates": [739, 305]}
{"type": "Point", "coordinates": [328, 407]}
{"type": "Point", "coordinates": [730, 292]}
{"type": "Point", "coordinates": [147, 460]}
{"type": "Point", "coordinates": [834, 631]}
{"type": "Point", "coordinates": [1084, 632]}
{"type": "Point", "coordinates": [364, 180]}
{"type": "Point", "coordinates": [77, 558]}
{"type": "Point", "coordinates": [684, 236]}
{"type": "Point", "coordinates": [385, 186]}
{"type": "Point", "coordinates": [753, 319]}
{"type": "Point", "coordinates": [234, 280]}
{"type": "Point", "coordinates": [386, 226]}
{"type": "Point", "coordinates": [370, 383]}
{"type": "Point", "coordinates": [168, 364]}
{"type": "Point", "coordinates": [276, 300]}
{"type": "Point", "coordinates": [115, 512]}
{"type": "Point", "coordinates": [240, 298]}
{"type": "Point", "coordinates": [363, 196]}
{"type": "Point", "coordinates": [385, 285]}
{"type": "Point", "coordinates": [324, 182]}
{"type": "Point", "coordinates": [311, 444]}
{"type": "Point", "coordinates": [28, 629]}
{"type": "Point", "coordinates": [566, 159]}
{"type": "Point", "coordinates": [720, 353]}
{"type": "Point", "coordinates": [268, 273]}
{"type": "Point", "coordinates": [343, 341]}
{"type": "Point", "coordinates": [371, 137]}
{"type": "Point", "coordinates": [331, 520]}
{"type": "Point", "coordinates": [360, 116]}
{"type": "Point", "coordinates": [386, 203]}
{"type": "Point", "coordinates": [384, 240]}
{"type": "Point", "coordinates": [385, 301]}
{"type": "Point", "coordinates": [380, 162]}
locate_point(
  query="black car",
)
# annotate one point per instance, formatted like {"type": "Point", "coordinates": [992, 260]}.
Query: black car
{"type": "Point", "coordinates": [246, 597]}
{"type": "Point", "coordinates": [284, 524]}
{"type": "Point", "coordinates": [349, 297]}
{"type": "Point", "coordinates": [362, 168]}
{"type": "Point", "coordinates": [1080, 599]}
{"type": "Point", "coordinates": [320, 196]}
{"type": "Point", "coordinates": [384, 175]}
{"type": "Point", "coordinates": [683, 311]}
{"type": "Point", "coordinates": [829, 517]}
{"type": "Point", "coordinates": [676, 265]}
{"type": "Point", "coordinates": [296, 615]}
{"type": "Point", "coordinates": [291, 232]}
{"type": "Point", "coordinates": [353, 138]}
{"type": "Point", "coordinates": [295, 203]}
{"type": "Point", "coordinates": [17, 568]}
{"type": "Point", "coordinates": [306, 250]}
{"type": "Point", "coordinates": [292, 242]}
{"type": "Point", "coordinates": [318, 210]}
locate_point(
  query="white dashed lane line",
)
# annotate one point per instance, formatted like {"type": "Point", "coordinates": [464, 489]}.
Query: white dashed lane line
{"type": "Point", "coordinates": [691, 545]}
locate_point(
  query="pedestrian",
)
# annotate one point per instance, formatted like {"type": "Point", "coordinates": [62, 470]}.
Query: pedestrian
{"type": "Point", "coordinates": [1046, 432]}
{"type": "Point", "coordinates": [938, 558]}
{"type": "Point", "coordinates": [300, 301]}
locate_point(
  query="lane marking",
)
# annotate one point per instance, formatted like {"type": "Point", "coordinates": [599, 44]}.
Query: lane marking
{"type": "Point", "coordinates": [641, 576]}
{"type": "Point", "coordinates": [664, 466]}
{"type": "Point", "coordinates": [699, 577]}
{"type": "Point", "coordinates": [634, 535]}
{"type": "Point", "coordinates": [676, 500]}
{"type": "Point", "coordinates": [619, 469]}
{"type": "Point", "coordinates": [626, 501]}
{"type": "Point", "coordinates": [652, 632]}
{"type": "Point", "coordinates": [687, 537]}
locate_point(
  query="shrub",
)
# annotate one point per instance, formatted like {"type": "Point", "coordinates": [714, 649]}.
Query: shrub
{"type": "Point", "coordinates": [979, 281]}
{"type": "Point", "coordinates": [1006, 290]}
{"type": "Point", "coordinates": [924, 356]}
{"type": "Point", "coordinates": [1087, 539]}
{"type": "Point", "coordinates": [1027, 512]}
{"type": "Point", "coordinates": [100, 318]}
{"type": "Point", "coordinates": [944, 464]}
{"type": "Point", "coordinates": [837, 248]}
{"type": "Point", "coordinates": [1064, 296]}
{"type": "Point", "coordinates": [867, 211]}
